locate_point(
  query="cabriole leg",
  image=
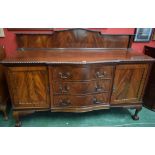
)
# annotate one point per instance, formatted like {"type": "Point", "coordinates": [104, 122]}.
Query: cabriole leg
{"type": "Point", "coordinates": [5, 115]}
{"type": "Point", "coordinates": [18, 114]}
{"type": "Point", "coordinates": [3, 109]}
{"type": "Point", "coordinates": [17, 119]}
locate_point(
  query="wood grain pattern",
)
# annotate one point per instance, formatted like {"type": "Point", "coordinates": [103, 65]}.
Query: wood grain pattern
{"type": "Point", "coordinates": [28, 87]}
{"type": "Point", "coordinates": [79, 84]}
{"type": "Point", "coordinates": [80, 101]}
{"type": "Point", "coordinates": [80, 73]}
{"type": "Point", "coordinates": [81, 88]}
{"type": "Point", "coordinates": [73, 38]}
{"type": "Point", "coordinates": [67, 56]}
{"type": "Point", "coordinates": [128, 83]}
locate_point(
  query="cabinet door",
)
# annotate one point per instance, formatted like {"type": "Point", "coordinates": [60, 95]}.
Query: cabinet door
{"type": "Point", "coordinates": [28, 87]}
{"type": "Point", "coordinates": [129, 83]}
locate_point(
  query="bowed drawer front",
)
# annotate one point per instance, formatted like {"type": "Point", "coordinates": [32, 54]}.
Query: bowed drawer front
{"type": "Point", "coordinates": [78, 101]}
{"type": "Point", "coordinates": [80, 86]}
{"type": "Point", "coordinates": [90, 72]}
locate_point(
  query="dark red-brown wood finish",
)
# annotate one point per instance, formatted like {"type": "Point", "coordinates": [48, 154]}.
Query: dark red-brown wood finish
{"type": "Point", "coordinates": [73, 38]}
{"type": "Point", "coordinates": [149, 96]}
{"type": "Point", "coordinates": [79, 56]}
{"type": "Point", "coordinates": [3, 86]}
{"type": "Point", "coordinates": [75, 70]}
{"type": "Point", "coordinates": [28, 87]}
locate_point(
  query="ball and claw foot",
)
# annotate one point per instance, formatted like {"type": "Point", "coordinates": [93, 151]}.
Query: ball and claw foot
{"type": "Point", "coordinates": [5, 116]}
{"type": "Point", "coordinates": [135, 116]}
{"type": "Point", "coordinates": [18, 124]}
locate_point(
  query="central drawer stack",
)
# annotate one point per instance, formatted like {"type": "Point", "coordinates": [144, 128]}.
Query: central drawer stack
{"type": "Point", "coordinates": [80, 86]}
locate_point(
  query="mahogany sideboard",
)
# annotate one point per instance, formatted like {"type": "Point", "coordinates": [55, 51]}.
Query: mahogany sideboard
{"type": "Point", "coordinates": [4, 95]}
{"type": "Point", "coordinates": [75, 70]}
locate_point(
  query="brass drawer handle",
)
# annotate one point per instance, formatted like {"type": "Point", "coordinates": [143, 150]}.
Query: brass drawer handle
{"type": "Point", "coordinates": [95, 101]}
{"type": "Point", "coordinates": [64, 102]}
{"type": "Point", "coordinates": [64, 75]}
{"type": "Point", "coordinates": [101, 75]}
{"type": "Point", "coordinates": [65, 89]}
{"type": "Point", "coordinates": [114, 89]}
{"type": "Point", "coordinates": [98, 88]}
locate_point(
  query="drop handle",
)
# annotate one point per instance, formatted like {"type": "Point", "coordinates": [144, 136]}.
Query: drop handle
{"type": "Point", "coordinates": [65, 89]}
{"type": "Point", "coordinates": [64, 102]}
{"type": "Point", "coordinates": [95, 101]}
{"type": "Point", "coordinates": [64, 75]}
{"type": "Point", "coordinates": [100, 75]}
{"type": "Point", "coordinates": [114, 89]}
{"type": "Point", "coordinates": [98, 88]}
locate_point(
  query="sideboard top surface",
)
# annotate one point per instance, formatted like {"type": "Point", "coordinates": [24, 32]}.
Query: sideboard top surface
{"type": "Point", "coordinates": [78, 57]}
{"type": "Point", "coordinates": [74, 46]}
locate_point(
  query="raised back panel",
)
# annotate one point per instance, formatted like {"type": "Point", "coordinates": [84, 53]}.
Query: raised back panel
{"type": "Point", "coordinates": [73, 38]}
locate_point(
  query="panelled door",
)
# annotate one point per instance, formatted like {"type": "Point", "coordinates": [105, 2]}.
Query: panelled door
{"type": "Point", "coordinates": [129, 83]}
{"type": "Point", "coordinates": [28, 87]}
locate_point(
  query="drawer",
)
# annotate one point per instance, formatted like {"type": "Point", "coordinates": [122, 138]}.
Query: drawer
{"type": "Point", "coordinates": [78, 101]}
{"type": "Point", "coordinates": [75, 88]}
{"type": "Point", "coordinates": [81, 73]}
